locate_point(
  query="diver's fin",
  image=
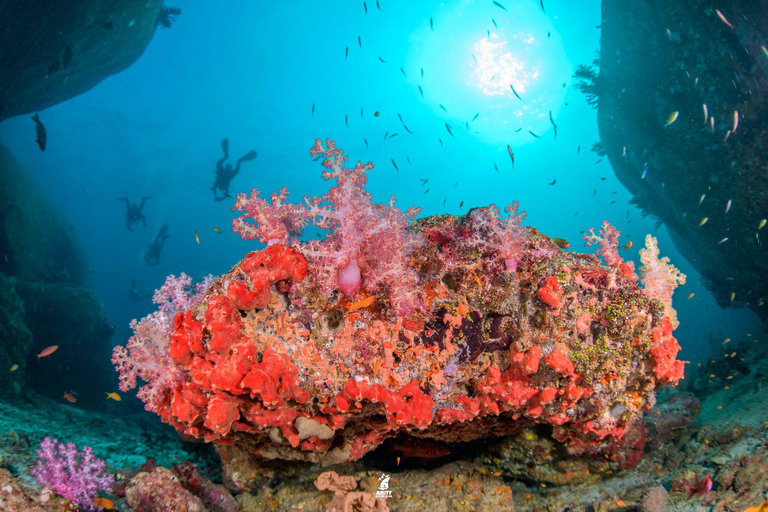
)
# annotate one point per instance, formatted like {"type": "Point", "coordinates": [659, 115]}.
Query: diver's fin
{"type": "Point", "coordinates": [225, 147]}
{"type": "Point", "coordinates": [248, 156]}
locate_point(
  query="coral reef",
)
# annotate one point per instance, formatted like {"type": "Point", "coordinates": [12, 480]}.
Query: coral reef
{"type": "Point", "coordinates": [317, 352]}
{"type": "Point", "coordinates": [160, 490]}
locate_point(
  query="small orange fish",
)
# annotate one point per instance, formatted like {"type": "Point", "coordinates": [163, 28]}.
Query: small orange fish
{"type": "Point", "coordinates": [398, 461]}
{"type": "Point", "coordinates": [217, 230]}
{"type": "Point", "coordinates": [463, 308]}
{"type": "Point", "coordinates": [621, 503]}
{"type": "Point", "coordinates": [69, 397]}
{"type": "Point", "coordinates": [561, 243]}
{"type": "Point", "coordinates": [48, 351]}
{"type": "Point", "coordinates": [197, 237]}
{"type": "Point", "coordinates": [104, 503]}
{"type": "Point", "coordinates": [700, 488]}
{"type": "Point", "coordinates": [364, 303]}
{"type": "Point", "coordinates": [233, 208]}
{"type": "Point", "coordinates": [114, 396]}
{"type": "Point", "coordinates": [14, 367]}
{"type": "Point", "coordinates": [690, 295]}
{"type": "Point", "coordinates": [628, 245]}
{"type": "Point", "coordinates": [761, 508]}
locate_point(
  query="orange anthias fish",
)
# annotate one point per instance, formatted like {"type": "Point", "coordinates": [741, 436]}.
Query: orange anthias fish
{"type": "Point", "coordinates": [69, 397]}
{"type": "Point", "coordinates": [104, 503]}
{"type": "Point", "coordinates": [761, 508]}
{"type": "Point", "coordinates": [364, 303]}
{"type": "Point", "coordinates": [114, 396]}
{"type": "Point", "coordinates": [700, 488]}
{"type": "Point", "coordinates": [47, 351]}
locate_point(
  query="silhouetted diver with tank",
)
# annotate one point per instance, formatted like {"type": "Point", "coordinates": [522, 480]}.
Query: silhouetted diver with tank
{"type": "Point", "coordinates": [225, 173]}
{"type": "Point", "coordinates": [133, 212]}
{"type": "Point", "coordinates": [152, 256]}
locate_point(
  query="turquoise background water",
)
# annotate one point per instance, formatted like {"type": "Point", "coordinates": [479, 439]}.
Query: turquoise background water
{"type": "Point", "coordinates": [252, 71]}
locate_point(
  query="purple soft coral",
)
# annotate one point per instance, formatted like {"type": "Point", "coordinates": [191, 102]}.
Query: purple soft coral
{"type": "Point", "coordinates": [76, 476]}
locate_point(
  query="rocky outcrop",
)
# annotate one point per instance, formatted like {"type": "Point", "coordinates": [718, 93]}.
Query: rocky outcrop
{"type": "Point", "coordinates": [45, 295]}
{"type": "Point", "coordinates": [703, 174]}
{"type": "Point", "coordinates": [53, 51]}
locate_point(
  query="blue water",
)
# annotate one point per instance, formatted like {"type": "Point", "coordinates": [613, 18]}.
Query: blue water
{"type": "Point", "coordinates": [251, 72]}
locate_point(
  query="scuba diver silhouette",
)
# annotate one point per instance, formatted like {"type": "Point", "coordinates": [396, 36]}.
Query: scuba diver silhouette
{"type": "Point", "coordinates": [133, 212]}
{"type": "Point", "coordinates": [134, 294]}
{"type": "Point", "coordinates": [225, 173]}
{"type": "Point", "coordinates": [152, 256]}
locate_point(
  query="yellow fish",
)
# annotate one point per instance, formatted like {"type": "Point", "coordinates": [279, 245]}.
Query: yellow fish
{"type": "Point", "coordinates": [672, 118]}
{"type": "Point", "coordinates": [701, 223]}
{"type": "Point", "coordinates": [14, 367]}
{"type": "Point", "coordinates": [690, 295]}
{"type": "Point", "coordinates": [197, 237]}
{"type": "Point", "coordinates": [216, 230]}
{"type": "Point", "coordinates": [561, 243]}
{"type": "Point", "coordinates": [114, 396]}
{"type": "Point", "coordinates": [762, 224]}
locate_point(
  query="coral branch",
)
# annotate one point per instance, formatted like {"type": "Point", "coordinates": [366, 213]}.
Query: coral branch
{"type": "Point", "coordinates": [660, 277]}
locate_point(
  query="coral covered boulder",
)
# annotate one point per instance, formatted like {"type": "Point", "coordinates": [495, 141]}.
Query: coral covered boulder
{"type": "Point", "coordinates": [497, 329]}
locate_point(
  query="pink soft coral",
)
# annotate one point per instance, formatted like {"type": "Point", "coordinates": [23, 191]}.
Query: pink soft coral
{"type": "Point", "coordinates": [660, 277]}
{"type": "Point", "coordinates": [76, 476]}
{"type": "Point", "coordinates": [608, 250]}
{"type": "Point", "coordinates": [506, 236]}
{"type": "Point", "coordinates": [277, 222]}
{"type": "Point", "coordinates": [366, 244]}
{"type": "Point", "coordinates": [146, 356]}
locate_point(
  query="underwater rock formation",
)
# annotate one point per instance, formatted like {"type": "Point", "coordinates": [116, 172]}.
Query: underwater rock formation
{"type": "Point", "coordinates": [497, 329]}
{"type": "Point", "coordinates": [15, 338]}
{"type": "Point", "coordinates": [53, 51]}
{"type": "Point", "coordinates": [44, 288]}
{"type": "Point", "coordinates": [704, 173]}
